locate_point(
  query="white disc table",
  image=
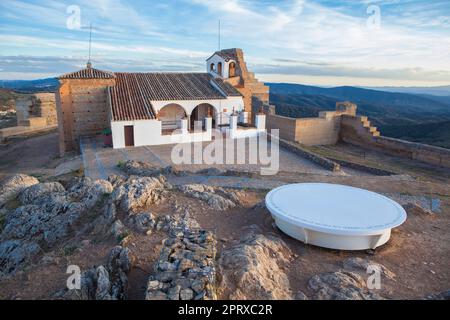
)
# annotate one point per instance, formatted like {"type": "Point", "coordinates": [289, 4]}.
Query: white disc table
{"type": "Point", "coordinates": [334, 216]}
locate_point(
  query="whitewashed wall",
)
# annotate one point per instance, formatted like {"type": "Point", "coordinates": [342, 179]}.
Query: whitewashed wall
{"type": "Point", "coordinates": [225, 66]}
{"type": "Point", "coordinates": [148, 133]}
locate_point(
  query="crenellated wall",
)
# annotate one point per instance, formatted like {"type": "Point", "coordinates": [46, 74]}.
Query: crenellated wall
{"type": "Point", "coordinates": [344, 125]}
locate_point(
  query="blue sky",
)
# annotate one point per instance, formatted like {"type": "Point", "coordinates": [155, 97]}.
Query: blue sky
{"type": "Point", "coordinates": [324, 42]}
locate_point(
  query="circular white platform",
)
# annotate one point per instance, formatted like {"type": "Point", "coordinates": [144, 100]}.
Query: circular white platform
{"type": "Point", "coordinates": [334, 216]}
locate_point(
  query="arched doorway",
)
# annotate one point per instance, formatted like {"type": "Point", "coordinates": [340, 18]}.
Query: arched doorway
{"type": "Point", "coordinates": [201, 112]}
{"type": "Point", "coordinates": [232, 69]}
{"type": "Point", "coordinates": [219, 68]}
{"type": "Point", "coordinates": [170, 115]}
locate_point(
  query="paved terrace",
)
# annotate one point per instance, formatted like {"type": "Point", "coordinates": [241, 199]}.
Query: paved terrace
{"type": "Point", "coordinates": [100, 162]}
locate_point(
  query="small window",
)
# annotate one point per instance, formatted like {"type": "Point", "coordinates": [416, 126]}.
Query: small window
{"type": "Point", "coordinates": [219, 68]}
{"type": "Point", "coordinates": [232, 69]}
{"type": "Point", "coordinates": [212, 67]}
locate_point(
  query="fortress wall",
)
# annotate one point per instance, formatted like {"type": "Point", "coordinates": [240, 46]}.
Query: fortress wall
{"type": "Point", "coordinates": [354, 132]}
{"type": "Point", "coordinates": [307, 131]}
{"type": "Point", "coordinates": [287, 126]}
{"type": "Point", "coordinates": [318, 131]}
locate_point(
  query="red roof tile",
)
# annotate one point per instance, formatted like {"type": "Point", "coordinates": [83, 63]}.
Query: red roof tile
{"type": "Point", "coordinates": [88, 73]}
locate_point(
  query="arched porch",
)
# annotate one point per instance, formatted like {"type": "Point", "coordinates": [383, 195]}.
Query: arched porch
{"type": "Point", "coordinates": [170, 115]}
{"type": "Point", "coordinates": [201, 112]}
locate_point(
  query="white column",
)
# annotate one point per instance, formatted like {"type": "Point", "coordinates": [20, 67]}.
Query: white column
{"type": "Point", "coordinates": [198, 126]}
{"type": "Point", "coordinates": [233, 126]}
{"type": "Point", "coordinates": [243, 117]}
{"type": "Point", "coordinates": [233, 122]}
{"type": "Point", "coordinates": [184, 126]}
{"type": "Point", "coordinates": [208, 124]}
{"type": "Point", "coordinates": [260, 122]}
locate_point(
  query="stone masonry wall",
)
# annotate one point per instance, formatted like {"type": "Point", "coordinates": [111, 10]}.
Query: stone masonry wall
{"type": "Point", "coordinates": [83, 110]}
{"type": "Point", "coordinates": [323, 130]}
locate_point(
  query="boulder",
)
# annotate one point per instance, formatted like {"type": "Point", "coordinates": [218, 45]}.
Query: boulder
{"type": "Point", "coordinates": [12, 186]}
{"type": "Point", "coordinates": [252, 269]}
{"type": "Point", "coordinates": [138, 193]}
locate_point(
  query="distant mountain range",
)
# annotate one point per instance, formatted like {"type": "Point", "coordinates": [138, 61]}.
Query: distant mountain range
{"type": "Point", "coordinates": [30, 86]}
{"type": "Point", "coordinates": [399, 115]}
{"type": "Point", "coordinates": [435, 91]}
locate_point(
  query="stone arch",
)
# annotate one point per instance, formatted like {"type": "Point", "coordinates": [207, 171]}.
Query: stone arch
{"type": "Point", "coordinates": [201, 111]}
{"type": "Point", "coordinates": [170, 115]}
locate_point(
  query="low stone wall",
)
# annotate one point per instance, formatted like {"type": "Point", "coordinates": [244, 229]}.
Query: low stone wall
{"type": "Point", "coordinates": [363, 168]}
{"type": "Point", "coordinates": [298, 150]}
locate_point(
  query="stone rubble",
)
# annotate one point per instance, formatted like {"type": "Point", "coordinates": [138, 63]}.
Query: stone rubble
{"type": "Point", "coordinates": [185, 269]}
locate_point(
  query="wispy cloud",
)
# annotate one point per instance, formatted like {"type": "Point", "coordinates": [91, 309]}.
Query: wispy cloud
{"type": "Point", "coordinates": [322, 38]}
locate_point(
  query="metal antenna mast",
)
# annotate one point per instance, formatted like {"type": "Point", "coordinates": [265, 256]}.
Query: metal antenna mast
{"type": "Point", "coordinates": [219, 36]}
{"type": "Point", "coordinates": [89, 64]}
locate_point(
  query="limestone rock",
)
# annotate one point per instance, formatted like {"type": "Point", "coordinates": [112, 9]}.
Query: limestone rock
{"type": "Point", "coordinates": [106, 282]}
{"type": "Point", "coordinates": [12, 186]}
{"type": "Point", "coordinates": [445, 295]}
{"type": "Point", "coordinates": [143, 169]}
{"type": "Point", "coordinates": [33, 193]}
{"type": "Point", "coordinates": [217, 198]}
{"type": "Point", "coordinates": [138, 193]}
{"type": "Point", "coordinates": [144, 222]}
{"type": "Point", "coordinates": [117, 229]}
{"type": "Point", "coordinates": [13, 254]}
{"type": "Point", "coordinates": [251, 269]}
{"type": "Point", "coordinates": [90, 192]}
{"type": "Point", "coordinates": [340, 285]}
{"type": "Point", "coordinates": [359, 264]}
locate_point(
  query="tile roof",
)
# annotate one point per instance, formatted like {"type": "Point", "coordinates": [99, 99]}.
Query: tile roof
{"type": "Point", "coordinates": [132, 95]}
{"type": "Point", "coordinates": [222, 54]}
{"type": "Point", "coordinates": [130, 99]}
{"type": "Point", "coordinates": [88, 73]}
{"type": "Point", "coordinates": [227, 88]}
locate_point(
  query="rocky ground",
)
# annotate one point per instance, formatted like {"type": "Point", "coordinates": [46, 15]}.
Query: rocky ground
{"type": "Point", "coordinates": [137, 236]}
